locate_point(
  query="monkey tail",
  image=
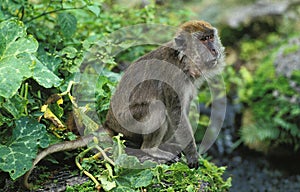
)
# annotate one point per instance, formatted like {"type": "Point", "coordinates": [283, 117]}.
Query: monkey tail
{"type": "Point", "coordinates": [66, 145]}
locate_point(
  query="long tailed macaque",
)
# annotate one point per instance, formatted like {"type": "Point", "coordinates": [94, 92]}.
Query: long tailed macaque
{"type": "Point", "coordinates": [151, 111]}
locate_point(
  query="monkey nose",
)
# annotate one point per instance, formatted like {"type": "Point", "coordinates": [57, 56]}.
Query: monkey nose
{"type": "Point", "coordinates": [214, 52]}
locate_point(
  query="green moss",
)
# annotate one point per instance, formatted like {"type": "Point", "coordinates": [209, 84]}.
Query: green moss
{"type": "Point", "coordinates": [291, 49]}
{"type": "Point", "coordinates": [251, 48]}
{"type": "Point", "coordinates": [296, 76]}
{"type": "Point", "coordinates": [85, 187]}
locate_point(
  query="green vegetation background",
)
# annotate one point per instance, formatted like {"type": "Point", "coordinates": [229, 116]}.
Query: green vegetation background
{"type": "Point", "coordinates": [42, 45]}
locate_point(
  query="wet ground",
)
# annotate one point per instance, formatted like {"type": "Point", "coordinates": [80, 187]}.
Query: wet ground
{"type": "Point", "coordinates": [253, 172]}
{"type": "Point", "coordinates": [250, 172]}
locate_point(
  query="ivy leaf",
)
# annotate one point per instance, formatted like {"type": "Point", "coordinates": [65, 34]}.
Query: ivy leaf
{"type": "Point", "coordinates": [4, 119]}
{"type": "Point", "coordinates": [143, 178]}
{"type": "Point", "coordinates": [15, 60]}
{"type": "Point", "coordinates": [15, 106]}
{"type": "Point", "coordinates": [52, 62]}
{"type": "Point", "coordinates": [123, 189]}
{"type": "Point", "coordinates": [125, 160]}
{"type": "Point", "coordinates": [135, 178]}
{"type": "Point", "coordinates": [67, 23]}
{"type": "Point", "coordinates": [44, 76]}
{"type": "Point", "coordinates": [16, 156]}
{"type": "Point", "coordinates": [106, 183]}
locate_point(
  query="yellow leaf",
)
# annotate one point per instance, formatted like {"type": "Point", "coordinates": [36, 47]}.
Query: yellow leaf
{"type": "Point", "coordinates": [49, 115]}
{"type": "Point", "coordinates": [44, 108]}
{"type": "Point", "coordinates": [60, 101]}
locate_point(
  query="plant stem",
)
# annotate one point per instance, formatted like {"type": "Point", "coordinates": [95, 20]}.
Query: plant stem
{"type": "Point", "coordinates": [25, 96]}
{"type": "Point", "coordinates": [105, 156]}
{"type": "Point", "coordinates": [54, 11]}
{"type": "Point", "coordinates": [81, 155]}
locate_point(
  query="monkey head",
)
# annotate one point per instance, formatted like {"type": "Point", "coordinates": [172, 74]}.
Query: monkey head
{"type": "Point", "coordinates": [200, 48]}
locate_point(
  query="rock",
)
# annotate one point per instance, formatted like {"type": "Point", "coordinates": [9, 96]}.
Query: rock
{"type": "Point", "coordinates": [287, 61]}
{"type": "Point", "coordinates": [288, 58]}
{"type": "Point", "coordinates": [243, 15]}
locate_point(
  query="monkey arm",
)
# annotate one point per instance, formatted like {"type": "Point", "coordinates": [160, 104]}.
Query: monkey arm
{"type": "Point", "coordinates": [185, 137]}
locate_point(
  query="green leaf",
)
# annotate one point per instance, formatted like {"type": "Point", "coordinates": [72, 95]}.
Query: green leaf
{"type": "Point", "coordinates": [135, 178]}
{"type": "Point", "coordinates": [15, 106]}
{"type": "Point", "coordinates": [106, 184]}
{"type": "Point", "coordinates": [179, 167]}
{"type": "Point", "coordinates": [70, 52]}
{"type": "Point", "coordinates": [4, 119]}
{"type": "Point", "coordinates": [16, 157]}
{"type": "Point", "coordinates": [15, 60]}
{"type": "Point", "coordinates": [246, 75]}
{"type": "Point", "coordinates": [132, 161]}
{"type": "Point", "coordinates": [52, 62]}
{"type": "Point", "coordinates": [67, 23]}
{"type": "Point", "coordinates": [44, 76]}
{"type": "Point", "coordinates": [143, 178]}
{"type": "Point", "coordinates": [95, 9]}
{"type": "Point", "coordinates": [190, 188]}
{"type": "Point", "coordinates": [118, 147]}
{"type": "Point", "coordinates": [123, 189]}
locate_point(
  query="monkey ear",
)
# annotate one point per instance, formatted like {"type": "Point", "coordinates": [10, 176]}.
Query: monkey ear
{"type": "Point", "coordinates": [180, 42]}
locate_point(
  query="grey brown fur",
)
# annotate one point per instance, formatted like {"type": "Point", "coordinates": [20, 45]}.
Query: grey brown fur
{"type": "Point", "coordinates": [196, 60]}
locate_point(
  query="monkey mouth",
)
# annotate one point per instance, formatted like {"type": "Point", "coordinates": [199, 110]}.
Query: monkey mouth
{"type": "Point", "coordinates": [211, 63]}
{"type": "Point", "coordinates": [214, 62]}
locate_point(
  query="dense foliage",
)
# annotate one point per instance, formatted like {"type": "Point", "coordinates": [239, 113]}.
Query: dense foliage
{"type": "Point", "coordinates": [272, 119]}
{"type": "Point", "coordinates": [42, 46]}
{"type": "Point", "coordinates": [151, 177]}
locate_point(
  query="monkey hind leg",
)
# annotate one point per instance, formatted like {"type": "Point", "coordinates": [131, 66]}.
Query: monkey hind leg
{"type": "Point", "coordinates": [161, 153]}
{"type": "Point", "coordinates": [153, 145]}
{"type": "Point", "coordinates": [155, 155]}
{"type": "Point", "coordinates": [173, 148]}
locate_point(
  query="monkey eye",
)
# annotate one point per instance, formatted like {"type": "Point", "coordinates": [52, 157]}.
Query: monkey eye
{"type": "Point", "coordinates": [207, 37]}
{"type": "Point", "coordinates": [204, 38]}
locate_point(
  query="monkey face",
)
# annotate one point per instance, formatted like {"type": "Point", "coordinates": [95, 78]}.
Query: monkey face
{"type": "Point", "coordinates": [208, 41]}
{"type": "Point", "coordinates": [200, 44]}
